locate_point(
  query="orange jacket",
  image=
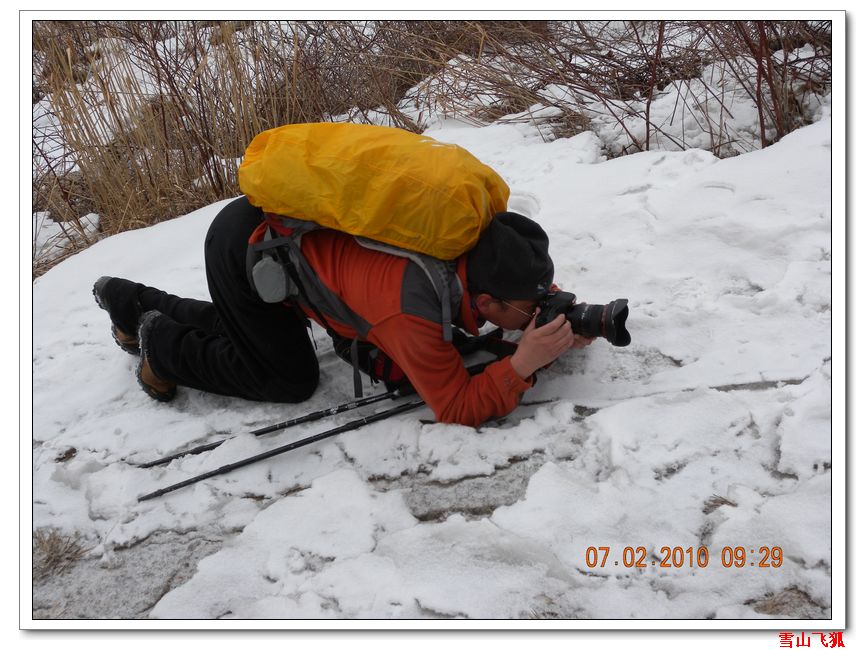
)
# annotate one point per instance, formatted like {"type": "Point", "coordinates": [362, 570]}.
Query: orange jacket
{"type": "Point", "coordinates": [371, 284]}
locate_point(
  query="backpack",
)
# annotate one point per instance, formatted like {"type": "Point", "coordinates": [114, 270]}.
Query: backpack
{"type": "Point", "coordinates": [384, 184]}
{"type": "Point", "coordinates": [396, 192]}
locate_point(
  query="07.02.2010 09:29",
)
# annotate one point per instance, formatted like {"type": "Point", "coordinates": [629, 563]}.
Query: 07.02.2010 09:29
{"type": "Point", "coordinates": [677, 557]}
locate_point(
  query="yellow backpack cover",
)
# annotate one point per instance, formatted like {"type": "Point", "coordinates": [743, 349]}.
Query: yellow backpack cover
{"type": "Point", "coordinates": [383, 183]}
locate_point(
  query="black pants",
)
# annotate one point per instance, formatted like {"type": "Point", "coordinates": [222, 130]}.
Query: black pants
{"type": "Point", "coordinates": [237, 345]}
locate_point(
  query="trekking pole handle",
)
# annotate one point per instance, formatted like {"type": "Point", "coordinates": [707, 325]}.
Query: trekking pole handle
{"type": "Point", "coordinates": [354, 424]}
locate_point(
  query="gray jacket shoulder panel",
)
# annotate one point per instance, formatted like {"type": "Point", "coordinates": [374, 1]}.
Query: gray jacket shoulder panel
{"type": "Point", "coordinates": [419, 297]}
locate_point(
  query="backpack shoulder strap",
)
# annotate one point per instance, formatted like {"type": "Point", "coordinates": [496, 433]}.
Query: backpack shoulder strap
{"type": "Point", "coordinates": [441, 275]}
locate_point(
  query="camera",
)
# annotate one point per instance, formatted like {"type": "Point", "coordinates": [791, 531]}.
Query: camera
{"type": "Point", "coordinates": [588, 320]}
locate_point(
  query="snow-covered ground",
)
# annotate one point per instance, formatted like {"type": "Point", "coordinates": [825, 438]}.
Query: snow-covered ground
{"type": "Point", "coordinates": [712, 429]}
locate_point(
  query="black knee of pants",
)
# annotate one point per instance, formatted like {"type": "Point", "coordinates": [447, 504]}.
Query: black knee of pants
{"type": "Point", "coordinates": [255, 350]}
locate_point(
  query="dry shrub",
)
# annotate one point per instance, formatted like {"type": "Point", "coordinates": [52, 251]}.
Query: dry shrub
{"type": "Point", "coordinates": [613, 70]}
{"type": "Point", "coordinates": [150, 118]}
{"type": "Point", "coordinates": [781, 83]}
{"type": "Point", "coordinates": [54, 552]}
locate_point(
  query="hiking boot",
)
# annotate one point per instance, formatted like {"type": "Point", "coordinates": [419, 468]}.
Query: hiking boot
{"type": "Point", "coordinates": [119, 298]}
{"type": "Point", "coordinates": [159, 389]}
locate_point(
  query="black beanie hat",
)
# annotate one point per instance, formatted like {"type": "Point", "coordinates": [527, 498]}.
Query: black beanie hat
{"type": "Point", "coordinates": [511, 259]}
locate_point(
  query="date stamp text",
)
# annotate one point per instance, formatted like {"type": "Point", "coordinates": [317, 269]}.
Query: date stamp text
{"type": "Point", "coordinates": [682, 557]}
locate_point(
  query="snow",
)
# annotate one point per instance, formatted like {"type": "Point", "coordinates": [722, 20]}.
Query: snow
{"type": "Point", "coordinates": [712, 428]}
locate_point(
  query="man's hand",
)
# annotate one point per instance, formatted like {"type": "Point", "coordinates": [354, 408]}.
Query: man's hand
{"type": "Point", "coordinates": [582, 341]}
{"type": "Point", "coordinates": [540, 346]}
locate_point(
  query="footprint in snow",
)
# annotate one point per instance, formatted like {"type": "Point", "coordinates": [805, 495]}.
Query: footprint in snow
{"type": "Point", "coordinates": [717, 185]}
{"type": "Point", "coordinates": [636, 189]}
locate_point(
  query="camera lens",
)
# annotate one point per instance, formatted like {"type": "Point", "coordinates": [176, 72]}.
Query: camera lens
{"type": "Point", "coordinates": [587, 320]}
{"type": "Point", "coordinates": [607, 321]}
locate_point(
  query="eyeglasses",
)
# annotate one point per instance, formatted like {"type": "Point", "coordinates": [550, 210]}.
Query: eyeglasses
{"type": "Point", "coordinates": [505, 302]}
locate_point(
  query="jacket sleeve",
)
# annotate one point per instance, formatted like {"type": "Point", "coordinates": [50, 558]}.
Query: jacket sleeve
{"type": "Point", "coordinates": [436, 370]}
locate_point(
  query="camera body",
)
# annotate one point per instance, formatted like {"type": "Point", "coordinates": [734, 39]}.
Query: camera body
{"type": "Point", "coordinates": [607, 320]}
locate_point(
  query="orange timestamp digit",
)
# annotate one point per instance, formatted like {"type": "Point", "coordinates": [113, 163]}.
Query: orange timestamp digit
{"type": "Point", "coordinates": [592, 553]}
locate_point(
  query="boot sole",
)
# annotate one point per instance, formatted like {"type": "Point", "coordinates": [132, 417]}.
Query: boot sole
{"type": "Point", "coordinates": [159, 396]}
{"type": "Point", "coordinates": [152, 392]}
{"type": "Point", "coordinates": [129, 348]}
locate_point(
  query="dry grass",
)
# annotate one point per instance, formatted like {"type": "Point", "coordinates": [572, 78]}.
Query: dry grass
{"type": "Point", "coordinates": [54, 552]}
{"type": "Point", "coordinates": [153, 116]}
{"type": "Point", "coordinates": [716, 501]}
{"type": "Point", "coordinates": [791, 602]}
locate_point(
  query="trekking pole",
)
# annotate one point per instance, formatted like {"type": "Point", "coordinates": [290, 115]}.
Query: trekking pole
{"type": "Point", "coordinates": [310, 417]}
{"type": "Point", "coordinates": [349, 426]}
